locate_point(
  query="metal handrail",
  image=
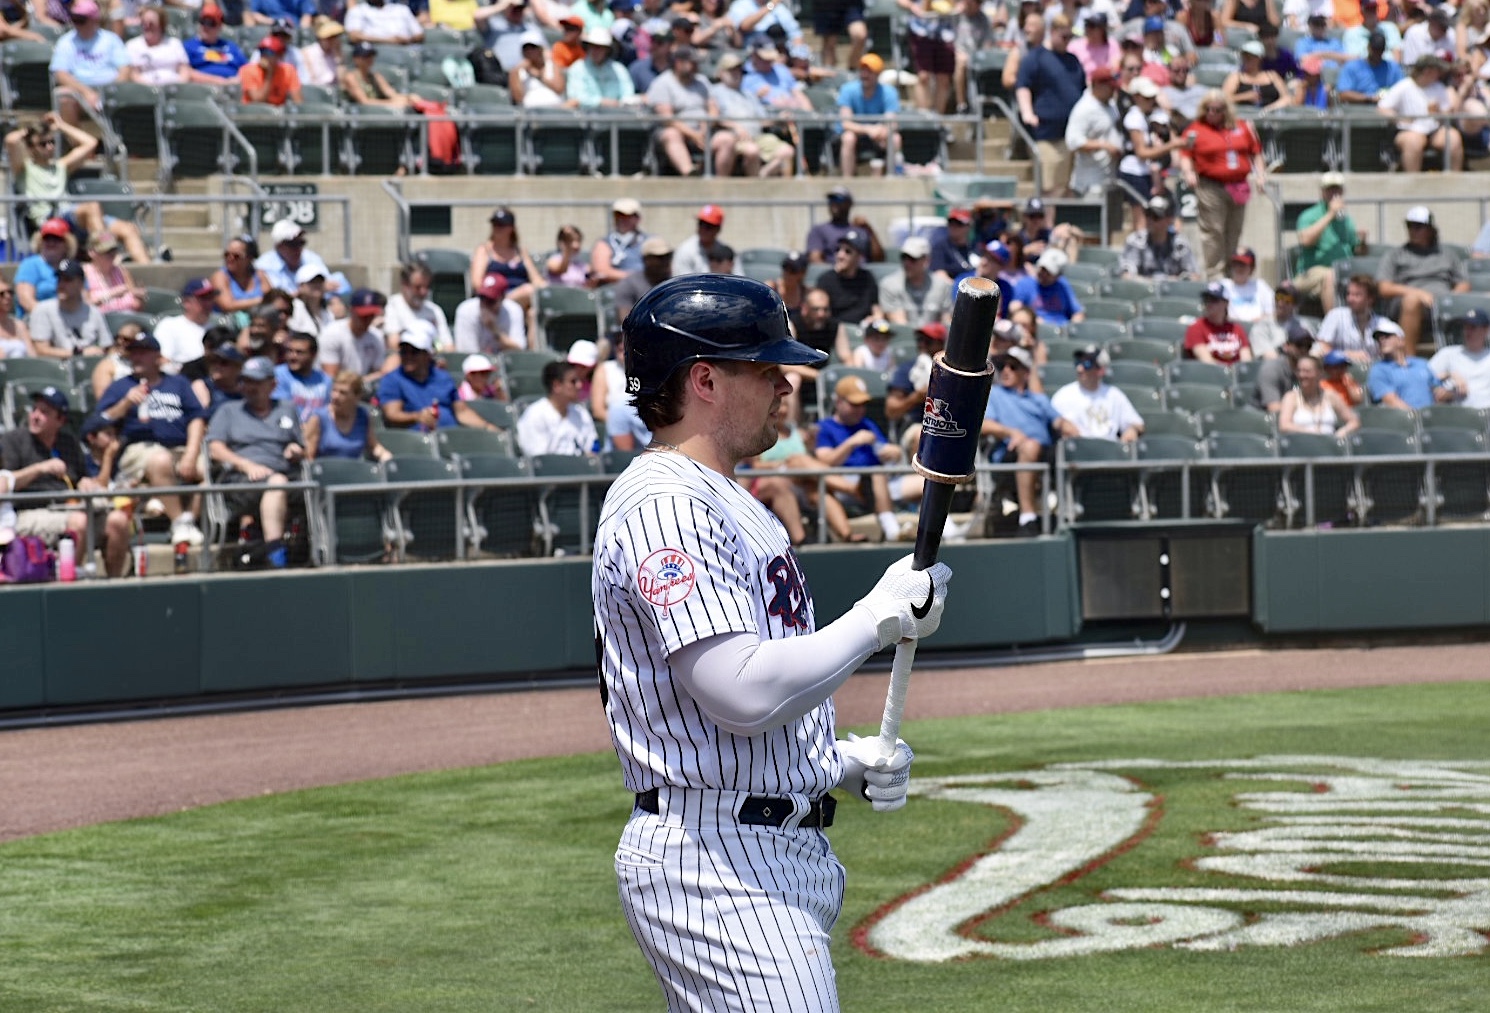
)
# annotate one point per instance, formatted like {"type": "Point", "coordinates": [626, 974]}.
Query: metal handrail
{"type": "Point", "coordinates": [112, 144]}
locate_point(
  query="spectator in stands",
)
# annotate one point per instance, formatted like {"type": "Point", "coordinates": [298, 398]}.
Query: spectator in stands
{"type": "Point", "coordinates": [1308, 90]}
{"type": "Point", "coordinates": [1356, 40]}
{"type": "Point", "coordinates": [489, 321]}
{"type": "Point", "coordinates": [257, 441]}
{"type": "Point", "coordinates": [852, 291]}
{"type": "Point", "coordinates": [1268, 335]}
{"type": "Point", "coordinates": [646, 69]}
{"type": "Point", "coordinates": [217, 377]}
{"type": "Point", "coordinates": [905, 393]}
{"type": "Point", "coordinates": [1035, 234]}
{"type": "Point", "coordinates": [100, 458]}
{"type": "Point", "coordinates": [1464, 369]}
{"type": "Point", "coordinates": [85, 59]}
{"type": "Point", "coordinates": [1030, 34]}
{"type": "Point", "coordinates": [1430, 37]}
{"type": "Point", "coordinates": [36, 277]}
{"type": "Point", "coordinates": [564, 266]}
{"type": "Point", "coordinates": [180, 335]}
{"type": "Point", "coordinates": [1220, 156]}
{"type": "Point", "coordinates": [1276, 376]}
{"type": "Point", "coordinates": [619, 252]}
{"type": "Point", "coordinates": [1401, 380]}
{"type": "Point", "coordinates": [411, 311]}
{"type": "Point", "coordinates": [289, 254]}
{"type": "Point", "coordinates": [481, 382]}
{"type": "Point", "coordinates": [875, 352]}
{"type": "Point", "coordinates": [44, 456]}
{"type": "Point", "coordinates": [832, 18]}
{"type": "Point", "coordinates": [865, 97]}
{"type": "Point", "coordinates": [992, 264]}
{"type": "Point", "coordinates": [362, 85]}
{"type": "Point", "coordinates": [818, 328]}
{"type": "Point", "coordinates": [559, 422]}
{"type": "Point", "coordinates": [608, 381]}
{"type": "Point", "coordinates": [110, 285]}
{"type": "Point", "coordinates": [915, 295]}
{"type": "Point", "coordinates": [1213, 337]}
{"type": "Point", "coordinates": [932, 29]}
{"type": "Point", "coordinates": [1096, 47]}
{"type": "Point", "coordinates": [1311, 407]}
{"type": "Point", "coordinates": [1327, 235]}
{"type": "Point", "coordinates": [44, 178]}
{"type": "Point", "coordinates": [1472, 28]}
{"type": "Point", "coordinates": [157, 58]}
{"type": "Point", "coordinates": [420, 394]}
{"type": "Point", "coordinates": [265, 333]}
{"type": "Point", "coordinates": [267, 12]}
{"type": "Point", "coordinates": [380, 21]}
{"type": "Point", "coordinates": [503, 255]}
{"type": "Point", "coordinates": [114, 364]}
{"type": "Point", "coordinates": [1412, 103]}
{"type": "Point", "coordinates": [310, 313]}
{"type": "Point", "coordinates": [272, 79]}
{"type": "Point", "coordinates": [849, 439]}
{"type": "Point", "coordinates": [1094, 137]}
{"type": "Point", "coordinates": [1175, 40]}
{"type": "Point", "coordinates": [1351, 328]}
{"type": "Point", "coordinates": [689, 256]}
{"type": "Point", "coordinates": [1249, 297]}
{"type": "Point", "coordinates": [240, 285]}
{"type": "Point", "coordinates": [215, 60]}
{"type": "Point", "coordinates": [597, 81]}
{"type": "Point", "coordinates": [15, 336]}
{"type": "Point", "coordinates": [1274, 57]}
{"type": "Point", "coordinates": [297, 380]}
{"type": "Point", "coordinates": [1251, 86]}
{"type": "Point", "coordinates": [1048, 293]}
{"type": "Point", "coordinates": [1147, 145]}
{"type": "Point", "coordinates": [657, 267]}
{"type": "Point", "coordinates": [592, 14]}
{"type": "Point", "coordinates": [537, 82]}
{"type": "Point", "coordinates": [952, 249]}
{"type": "Point", "coordinates": [1415, 275]}
{"type": "Point", "coordinates": [755, 18]}
{"type": "Point", "coordinates": [1242, 14]}
{"type": "Point", "coordinates": [14, 19]}
{"type": "Point", "coordinates": [1024, 424]}
{"type": "Point", "coordinates": [822, 238]}
{"type": "Point", "coordinates": [1338, 378]}
{"type": "Point", "coordinates": [1159, 249]}
{"type": "Point", "coordinates": [567, 50]}
{"type": "Point", "coordinates": [1051, 81]}
{"type": "Point", "coordinates": [1158, 50]}
{"type": "Point", "coordinates": [762, 147]}
{"type": "Point", "coordinates": [769, 81]}
{"type": "Point", "coordinates": [355, 342]}
{"type": "Point", "coordinates": [67, 324]}
{"type": "Point", "coordinates": [681, 98]}
{"type": "Point", "coordinates": [162, 423]}
{"type": "Point", "coordinates": [1366, 81]}
{"type": "Point", "coordinates": [1097, 409]}
{"type": "Point", "coordinates": [1183, 93]}
{"type": "Point", "coordinates": [344, 427]}
{"type": "Point", "coordinates": [1318, 41]}
{"type": "Point", "coordinates": [322, 63]}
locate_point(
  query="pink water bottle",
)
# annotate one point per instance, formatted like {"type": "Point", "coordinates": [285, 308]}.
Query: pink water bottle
{"type": "Point", "coordinates": [67, 563]}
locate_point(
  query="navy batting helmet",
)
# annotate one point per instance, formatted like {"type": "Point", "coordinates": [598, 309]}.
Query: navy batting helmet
{"type": "Point", "coordinates": [707, 316]}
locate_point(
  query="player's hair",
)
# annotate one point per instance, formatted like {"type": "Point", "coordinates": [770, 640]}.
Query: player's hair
{"type": "Point", "coordinates": [1366, 283]}
{"type": "Point", "coordinates": [665, 408]}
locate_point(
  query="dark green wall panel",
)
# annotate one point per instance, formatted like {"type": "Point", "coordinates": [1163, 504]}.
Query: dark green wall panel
{"type": "Point", "coordinates": [22, 660]}
{"type": "Point", "coordinates": [125, 640]}
{"type": "Point", "coordinates": [295, 630]}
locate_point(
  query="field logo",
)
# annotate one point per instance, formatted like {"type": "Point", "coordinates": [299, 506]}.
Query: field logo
{"type": "Point", "coordinates": [1285, 881]}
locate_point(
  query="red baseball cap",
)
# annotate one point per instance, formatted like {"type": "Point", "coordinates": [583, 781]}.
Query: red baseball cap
{"type": "Point", "coordinates": [1103, 74]}
{"type": "Point", "coordinates": [961, 215]}
{"type": "Point", "coordinates": [711, 214]}
{"type": "Point", "coordinates": [935, 330]}
{"type": "Point", "coordinates": [56, 227]}
{"type": "Point", "coordinates": [210, 11]}
{"type": "Point", "coordinates": [493, 286]}
{"type": "Point", "coordinates": [273, 44]}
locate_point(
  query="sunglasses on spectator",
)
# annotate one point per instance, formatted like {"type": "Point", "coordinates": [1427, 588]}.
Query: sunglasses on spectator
{"type": "Point", "coordinates": [210, 23]}
{"type": "Point", "coordinates": [7, 291]}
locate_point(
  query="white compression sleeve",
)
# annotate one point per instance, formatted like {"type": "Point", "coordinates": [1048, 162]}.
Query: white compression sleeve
{"type": "Point", "coordinates": [747, 685]}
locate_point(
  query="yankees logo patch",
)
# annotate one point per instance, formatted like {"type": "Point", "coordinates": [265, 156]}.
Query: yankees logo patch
{"type": "Point", "coordinates": [789, 597]}
{"type": "Point", "coordinates": [666, 577]}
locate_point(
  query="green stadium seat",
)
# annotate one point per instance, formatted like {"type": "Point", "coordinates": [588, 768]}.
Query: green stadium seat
{"type": "Point", "coordinates": [359, 527]}
{"type": "Point", "coordinates": [499, 520]}
{"type": "Point", "coordinates": [566, 315]}
{"type": "Point", "coordinates": [1171, 423]}
{"type": "Point", "coordinates": [408, 442]}
{"type": "Point", "coordinates": [1462, 487]}
{"type": "Point", "coordinates": [498, 413]}
{"type": "Point", "coordinates": [1126, 373]}
{"type": "Point", "coordinates": [1161, 491]}
{"type": "Point", "coordinates": [450, 282]}
{"type": "Point", "coordinates": [1237, 420]}
{"type": "Point", "coordinates": [1245, 493]}
{"type": "Point", "coordinates": [1387, 493]}
{"type": "Point", "coordinates": [1333, 486]}
{"type": "Point", "coordinates": [425, 522]}
{"type": "Point", "coordinates": [460, 440]}
{"type": "Point", "coordinates": [1391, 420]}
{"type": "Point", "coordinates": [1454, 416]}
{"type": "Point", "coordinates": [1097, 495]}
{"type": "Point", "coordinates": [1139, 349]}
{"type": "Point", "coordinates": [1171, 332]}
{"type": "Point", "coordinates": [567, 514]}
{"type": "Point", "coordinates": [1209, 374]}
{"type": "Point", "coordinates": [1096, 332]}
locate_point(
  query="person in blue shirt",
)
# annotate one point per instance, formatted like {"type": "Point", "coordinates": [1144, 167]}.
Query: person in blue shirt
{"type": "Point", "coordinates": [1400, 380]}
{"type": "Point", "coordinates": [1357, 41]}
{"type": "Point", "coordinates": [1051, 81]}
{"type": "Point", "coordinates": [865, 97]}
{"type": "Point", "coordinates": [208, 52]}
{"type": "Point", "coordinates": [1025, 425]}
{"type": "Point", "coordinates": [420, 395]}
{"type": "Point", "coordinates": [754, 17]}
{"type": "Point", "coordinates": [85, 59]}
{"type": "Point", "coordinates": [1048, 293]}
{"type": "Point", "coordinates": [771, 83]}
{"type": "Point", "coordinates": [992, 264]}
{"type": "Point", "coordinates": [952, 248]}
{"type": "Point", "coordinates": [1362, 82]}
{"type": "Point", "coordinates": [848, 439]}
{"type": "Point", "coordinates": [266, 12]}
{"type": "Point", "coordinates": [298, 380]}
{"type": "Point", "coordinates": [1318, 42]}
{"type": "Point", "coordinates": [36, 277]}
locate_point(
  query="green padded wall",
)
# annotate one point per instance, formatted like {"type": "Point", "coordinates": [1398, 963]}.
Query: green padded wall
{"type": "Point", "coordinates": [23, 668]}
{"type": "Point", "coordinates": [291, 629]}
{"type": "Point", "coordinates": [125, 640]}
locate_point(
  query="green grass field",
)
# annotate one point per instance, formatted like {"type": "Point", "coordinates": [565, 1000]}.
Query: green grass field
{"type": "Point", "coordinates": [492, 889]}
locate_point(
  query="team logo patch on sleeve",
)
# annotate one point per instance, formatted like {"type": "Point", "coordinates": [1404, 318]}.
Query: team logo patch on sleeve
{"type": "Point", "coordinates": [666, 577]}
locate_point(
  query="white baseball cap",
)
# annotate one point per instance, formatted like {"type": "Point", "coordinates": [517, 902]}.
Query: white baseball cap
{"type": "Point", "coordinates": [584, 352]}
{"type": "Point", "coordinates": [626, 206]}
{"type": "Point", "coordinates": [1021, 356]}
{"type": "Point", "coordinates": [477, 363]}
{"type": "Point", "coordinates": [309, 272]}
{"type": "Point", "coordinates": [1385, 326]}
{"type": "Point", "coordinates": [1419, 215]}
{"type": "Point", "coordinates": [1329, 179]}
{"type": "Point", "coordinates": [417, 339]}
{"type": "Point", "coordinates": [286, 230]}
{"type": "Point", "coordinates": [915, 247]}
{"type": "Point", "coordinates": [1143, 87]}
{"type": "Point", "coordinates": [1053, 261]}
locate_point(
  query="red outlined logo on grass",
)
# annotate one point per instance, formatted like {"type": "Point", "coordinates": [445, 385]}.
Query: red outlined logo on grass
{"type": "Point", "coordinates": [666, 577]}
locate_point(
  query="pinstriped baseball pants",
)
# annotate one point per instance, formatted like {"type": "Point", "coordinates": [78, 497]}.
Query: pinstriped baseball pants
{"type": "Point", "coordinates": [732, 917]}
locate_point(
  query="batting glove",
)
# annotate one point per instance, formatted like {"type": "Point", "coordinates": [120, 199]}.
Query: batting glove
{"type": "Point", "coordinates": [907, 604]}
{"type": "Point", "coordinates": [881, 781]}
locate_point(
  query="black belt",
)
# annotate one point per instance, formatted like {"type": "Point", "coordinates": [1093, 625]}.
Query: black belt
{"type": "Point", "coordinates": [762, 810]}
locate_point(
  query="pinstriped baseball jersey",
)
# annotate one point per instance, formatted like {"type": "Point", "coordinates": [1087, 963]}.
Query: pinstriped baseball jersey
{"type": "Point", "coordinates": [682, 554]}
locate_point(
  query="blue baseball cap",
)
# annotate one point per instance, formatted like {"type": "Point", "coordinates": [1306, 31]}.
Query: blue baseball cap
{"type": "Point", "coordinates": [1153, 25]}
{"type": "Point", "coordinates": [97, 422]}
{"type": "Point", "coordinates": [998, 249]}
{"type": "Point", "coordinates": [1476, 318]}
{"type": "Point", "coordinates": [53, 397]}
{"type": "Point", "coordinates": [366, 303]}
{"type": "Point", "coordinates": [1215, 290]}
{"type": "Point", "coordinates": [1336, 359]}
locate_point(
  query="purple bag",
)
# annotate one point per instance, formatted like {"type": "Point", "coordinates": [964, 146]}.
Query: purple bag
{"type": "Point", "coordinates": [27, 560]}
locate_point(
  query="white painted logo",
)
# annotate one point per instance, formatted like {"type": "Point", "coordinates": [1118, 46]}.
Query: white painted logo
{"type": "Point", "coordinates": [1286, 880]}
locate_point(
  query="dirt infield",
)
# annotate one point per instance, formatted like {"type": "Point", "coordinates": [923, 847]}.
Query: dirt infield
{"type": "Point", "coordinates": [56, 778]}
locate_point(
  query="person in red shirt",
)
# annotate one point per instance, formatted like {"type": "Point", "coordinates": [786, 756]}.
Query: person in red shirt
{"type": "Point", "coordinates": [1214, 338]}
{"type": "Point", "coordinates": [270, 80]}
{"type": "Point", "coordinates": [568, 49]}
{"type": "Point", "coordinates": [1220, 154]}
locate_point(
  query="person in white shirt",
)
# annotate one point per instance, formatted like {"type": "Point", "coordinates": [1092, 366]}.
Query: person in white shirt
{"type": "Point", "coordinates": [310, 314]}
{"type": "Point", "coordinates": [691, 255]}
{"type": "Point", "coordinates": [1098, 410]}
{"type": "Point", "coordinates": [875, 352]}
{"type": "Point", "coordinates": [558, 423]}
{"type": "Point", "coordinates": [356, 341]}
{"type": "Point", "coordinates": [411, 309]}
{"type": "Point", "coordinates": [488, 321]}
{"type": "Point", "coordinates": [323, 60]}
{"type": "Point", "coordinates": [1094, 135]}
{"type": "Point", "coordinates": [1251, 297]}
{"type": "Point", "coordinates": [1467, 365]}
{"type": "Point", "coordinates": [1415, 101]}
{"type": "Point", "coordinates": [380, 21]}
{"type": "Point", "coordinates": [180, 336]}
{"type": "Point", "coordinates": [1352, 328]}
{"type": "Point", "coordinates": [157, 58]}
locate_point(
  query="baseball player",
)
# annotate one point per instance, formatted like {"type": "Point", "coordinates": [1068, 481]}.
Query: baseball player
{"type": "Point", "coordinates": [716, 680]}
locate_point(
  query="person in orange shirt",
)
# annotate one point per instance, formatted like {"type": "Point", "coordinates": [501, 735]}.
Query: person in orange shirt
{"type": "Point", "coordinates": [271, 80]}
{"type": "Point", "coordinates": [568, 49]}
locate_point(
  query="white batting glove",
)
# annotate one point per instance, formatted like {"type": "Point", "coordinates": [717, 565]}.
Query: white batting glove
{"type": "Point", "coordinates": [879, 780]}
{"type": "Point", "coordinates": [907, 604]}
